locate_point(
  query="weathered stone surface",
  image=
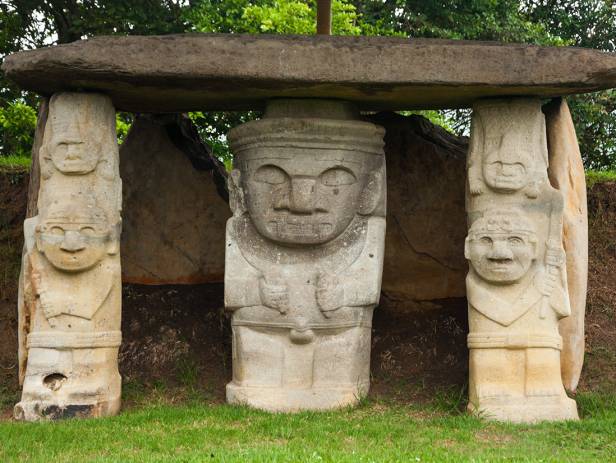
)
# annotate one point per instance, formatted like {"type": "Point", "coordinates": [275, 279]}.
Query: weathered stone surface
{"type": "Point", "coordinates": [70, 289]}
{"type": "Point", "coordinates": [35, 173]}
{"type": "Point", "coordinates": [304, 255]}
{"type": "Point", "coordinates": [31, 211]}
{"type": "Point", "coordinates": [426, 222]}
{"type": "Point", "coordinates": [178, 73]}
{"type": "Point", "coordinates": [566, 173]}
{"type": "Point", "coordinates": [517, 282]}
{"type": "Point", "coordinates": [174, 217]}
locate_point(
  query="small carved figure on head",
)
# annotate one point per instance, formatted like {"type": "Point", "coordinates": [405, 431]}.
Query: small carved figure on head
{"type": "Point", "coordinates": [77, 134]}
{"type": "Point", "coordinates": [505, 157]}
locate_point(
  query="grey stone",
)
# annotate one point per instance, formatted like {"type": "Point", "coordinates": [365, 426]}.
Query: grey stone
{"type": "Point", "coordinates": [304, 255]}
{"type": "Point", "coordinates": [426, 221]}
{"type": "Point", "coordinates": [174, 217]}
{"type": "Point", "coordinates": [177, 73]}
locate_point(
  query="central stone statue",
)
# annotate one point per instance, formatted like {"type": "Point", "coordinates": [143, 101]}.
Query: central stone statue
{"type": "Point", "coordinates": [304, 255]}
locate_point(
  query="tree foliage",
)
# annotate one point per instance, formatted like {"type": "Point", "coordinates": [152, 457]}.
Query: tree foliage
{"type": "Point", "coordinates": [28, 24]}
{"type": "Point", "coordinates": [591, 24]}
{"type": "Point", "coordinates": [455, 19]}
{"type": "Point", "coordinates": [18, 121]}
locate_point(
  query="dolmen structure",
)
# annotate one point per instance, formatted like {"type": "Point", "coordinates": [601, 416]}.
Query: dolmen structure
{"type": "Point", "coordinates": [305, 244]}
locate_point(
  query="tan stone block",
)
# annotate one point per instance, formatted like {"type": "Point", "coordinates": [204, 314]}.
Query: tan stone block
{"type": "Point", "coordinates": [566, 173]}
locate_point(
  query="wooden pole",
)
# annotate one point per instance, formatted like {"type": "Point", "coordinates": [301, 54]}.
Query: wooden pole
{"type": "Point", "coordinates": [324, 17]}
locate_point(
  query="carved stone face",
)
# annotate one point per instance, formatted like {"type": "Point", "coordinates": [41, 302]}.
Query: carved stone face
{"type": "Point", "coordinates": [304, 200]}
{"type": "Point", "coordinates": [505, 165]}
{"type": "Point", "coordinates": [73, 153]}
{"type": "Point", "coordinates": [74, 240]}
{"type": "Point", "coordinates": [500, 249]}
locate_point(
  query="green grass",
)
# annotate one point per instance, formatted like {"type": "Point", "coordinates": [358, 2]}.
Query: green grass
{"type": "Point", "coordinates": [373, 432]}
{"type": "Point", "coordinates": [15, 162]}
{"type": "Point", "coordinates": [598, 176]}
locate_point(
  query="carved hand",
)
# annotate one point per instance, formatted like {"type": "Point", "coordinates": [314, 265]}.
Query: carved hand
{"type": "Point", "coordinates": [49, 310]}
{"type": "Point", "coordinates": [274, 294]}
{"type": "Point", "coordinates": [475, 186]}
{"type": "Point", "coordinates": [549, 283]}
{"type": "Point", "coordinates": [329, 293]}
{"type": "Point", "coordinates": [532, 190]}
{"type": "Point", "coordinates": [554, 255]}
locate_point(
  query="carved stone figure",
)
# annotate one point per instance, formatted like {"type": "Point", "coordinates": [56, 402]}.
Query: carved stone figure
{"type": "Point", "coordinates": [517, 285]}
{"type": "Point", "coordinates": [71, 280]}
{"type": "Point", "coordinates": [304, 255]}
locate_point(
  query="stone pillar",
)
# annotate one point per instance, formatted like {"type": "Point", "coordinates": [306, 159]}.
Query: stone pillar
{"type": "Point", "coordinates": [70, 300]}
{"type": "Point", "coordinates": [304, 255]}
{"type": "Point", "coordinates": [517, 281]}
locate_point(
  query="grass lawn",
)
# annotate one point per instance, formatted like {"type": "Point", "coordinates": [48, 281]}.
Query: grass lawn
{"type": "Point", "coordinates": [598, 176]}
{"type": "Point", "coordinates": [196, 431]}
{"type": "Point", "coordinates": [15, 162]}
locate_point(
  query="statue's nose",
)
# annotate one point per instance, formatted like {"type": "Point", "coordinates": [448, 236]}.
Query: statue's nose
{"type": "Point", "coordinates": [500, 250]}
{"type": "Point", "coordinates": [302, 195]}
{"type": "Point", "coordinates": [508, 170]}
{"type": "Point", "coordinates": [72, 242]}
{"type": "Point", "coordinates": [73, 151]}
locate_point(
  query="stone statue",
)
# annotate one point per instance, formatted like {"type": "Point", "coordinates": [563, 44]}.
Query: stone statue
{"type": "Point", "coordinates": [77, 136]}
{"type": "Point", "coordinates": [71, 280]}
{"type": "Point", "coordinates": [516, 286]}
{"type": "Point", "coordinates": [304, 255]}
{"type": "Point", "coordinates": [505, 159]}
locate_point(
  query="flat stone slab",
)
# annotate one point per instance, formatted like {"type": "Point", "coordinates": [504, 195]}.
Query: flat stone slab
{"type": "Point", "coordinates": [176, 73]}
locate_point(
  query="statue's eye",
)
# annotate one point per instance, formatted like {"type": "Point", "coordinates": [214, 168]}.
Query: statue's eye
{"type": "Point", "coordinates": [56, 231]}
{"type": "Point", "coordinates": [515, 241]}
{"type": "Point", "coordinates": [337, 177]}
{"type": "Point", "coordinates": [519, 167]}
{"type": "Point", "coordinates": [486, 240]}
{"type": "Point", "coordinates": [87, 231]}
{"type": "Point", "coordinates": [61, 147]}
{"type": "Point", "coordinates": [270, 174]}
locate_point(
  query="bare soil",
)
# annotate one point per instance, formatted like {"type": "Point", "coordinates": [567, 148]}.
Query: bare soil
{"type": "Point", "coordinates": [178, 337]}
{"type": "Point", "coordinates": [600, 362]}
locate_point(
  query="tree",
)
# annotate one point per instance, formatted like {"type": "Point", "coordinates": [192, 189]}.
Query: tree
{"type": "Point", "coordinates": [254, 17]}
{"type": "Point", "coordinates": [27, 24]}
{"type": "Point", "coordinates": [592, 24]}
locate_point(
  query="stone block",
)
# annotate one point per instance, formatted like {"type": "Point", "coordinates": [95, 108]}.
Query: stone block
{"type": "Point", "coordinates": [566, 173]}
{"type": "Point", "coordinates": [174, 216]}
{"type": "Point", "coordinates": [197, 72]}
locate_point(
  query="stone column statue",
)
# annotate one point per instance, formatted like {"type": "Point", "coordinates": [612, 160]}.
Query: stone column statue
{"type": "Point", "coordinates": [516, 285]}
{"type": "Point", "coordinates": [70, 288]}
{"type": "Point", "coordinates": [304, 255]}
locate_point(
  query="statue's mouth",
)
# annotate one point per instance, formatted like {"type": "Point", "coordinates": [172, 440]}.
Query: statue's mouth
{"type": "Point", "coordinates": [499, 265]}
{"type": "Point", "coordinates": [507, 181]}
{"type": "Point", "coordinates": [74, 164]}
{"type": "Point", "coordinates": [300, 228]}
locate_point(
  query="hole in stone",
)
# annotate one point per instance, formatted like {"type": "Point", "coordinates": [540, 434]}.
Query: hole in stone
{"type": "Point", "coordinates": [54, 381]}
